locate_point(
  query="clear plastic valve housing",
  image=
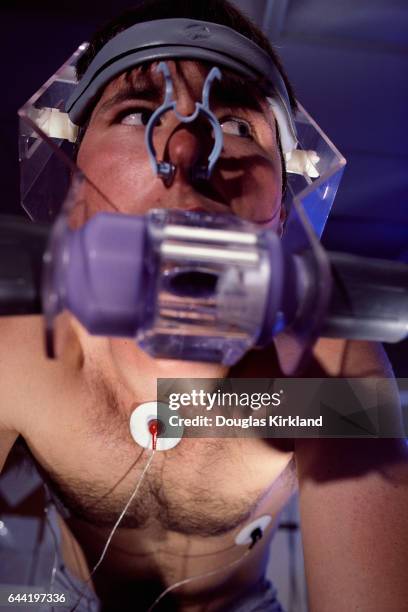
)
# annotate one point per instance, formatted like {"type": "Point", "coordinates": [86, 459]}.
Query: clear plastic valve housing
{"type": "Point", "coordinates": [212, 275]}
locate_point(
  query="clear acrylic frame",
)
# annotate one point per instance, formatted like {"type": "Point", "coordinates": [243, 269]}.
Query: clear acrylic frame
{"type": "Point", "coordinates": [47, 155]}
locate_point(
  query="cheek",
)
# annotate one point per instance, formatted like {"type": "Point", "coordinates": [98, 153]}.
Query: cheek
{"type": "Point", "coordinates": [264, 181]}
{"type": "Point", "coordinates": [119, 167]}
{"type": "Point", "coordinates": [255, 189]}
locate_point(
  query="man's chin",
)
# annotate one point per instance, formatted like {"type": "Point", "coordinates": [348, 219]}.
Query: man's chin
{"type": "Point", "coordinates": [131, 360]}
{"type": "Point", "coordinates": [191, 369]}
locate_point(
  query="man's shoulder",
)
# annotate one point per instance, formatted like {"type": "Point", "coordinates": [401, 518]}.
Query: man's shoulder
{"type": "Point", "coordinates": [21, 330]}
{"type": "Point", "coordinates": [23, 369]}
{"type": "Point", "coordinates": [21, 347]}
{"type": "Point", "coordinates": [21, 354]}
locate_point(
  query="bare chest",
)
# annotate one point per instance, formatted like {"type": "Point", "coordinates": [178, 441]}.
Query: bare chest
{"type": "Point", "coordinates": [76, 424]}
{"type": "Point", "coordinates": [202, 486]}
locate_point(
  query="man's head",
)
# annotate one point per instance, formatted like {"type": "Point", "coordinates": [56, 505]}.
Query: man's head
{"type": "Point", "coordinates": [248, 179]}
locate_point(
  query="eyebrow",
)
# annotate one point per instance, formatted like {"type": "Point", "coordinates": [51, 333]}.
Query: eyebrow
{"type": "Point", "coordinates": [142, 87]}
{"type": "Point", "coordinates": [235, 92]}
{"type": "Point", "coordinates": [232, 91]}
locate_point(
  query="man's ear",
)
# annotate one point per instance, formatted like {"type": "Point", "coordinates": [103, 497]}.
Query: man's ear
{"type": "Point", "coordinates": [282, 220]}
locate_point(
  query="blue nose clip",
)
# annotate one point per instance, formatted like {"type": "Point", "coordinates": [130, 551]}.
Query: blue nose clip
{"type": "Point", "coordinates": [166, 170]}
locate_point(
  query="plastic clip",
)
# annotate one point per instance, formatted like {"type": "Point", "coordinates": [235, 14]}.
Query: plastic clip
{"type": "Point", "coordinates": [166, 170]}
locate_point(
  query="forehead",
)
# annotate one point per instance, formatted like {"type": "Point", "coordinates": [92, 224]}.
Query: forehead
{"type": "Point", "coordinates": [187, 76]}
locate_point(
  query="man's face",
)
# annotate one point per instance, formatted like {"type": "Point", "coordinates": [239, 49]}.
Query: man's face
{"type": "Point", "coordinates": [247, 179]}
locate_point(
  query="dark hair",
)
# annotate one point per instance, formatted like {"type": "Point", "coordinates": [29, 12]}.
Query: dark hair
{"type": "Point", "coordinates": [215, 11]}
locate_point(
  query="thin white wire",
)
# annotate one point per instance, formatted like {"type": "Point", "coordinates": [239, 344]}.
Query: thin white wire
{"type": "Point", "coordinates": [122, 514]}
{"type": "Point", "coordinates": [204, 575]}
{"type": "Point", "coordinates": [54, 538]}
{"type": "Point", "coordinates": [116, 525]}
{"type": "Point", "coordinates": [57, 557]}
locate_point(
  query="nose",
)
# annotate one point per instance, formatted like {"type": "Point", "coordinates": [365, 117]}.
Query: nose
{"type": "Point", "coordinates": [188, 147]}
{"type": "Point", "coordinates": [183, 150]}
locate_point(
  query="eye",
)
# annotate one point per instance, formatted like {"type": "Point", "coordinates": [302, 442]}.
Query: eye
{"type": "Point", "coordinates": [236, 127]}
{"type": "Point", "coordinates": [136, 116]}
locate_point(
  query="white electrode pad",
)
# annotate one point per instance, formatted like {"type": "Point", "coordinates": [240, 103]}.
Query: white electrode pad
{"type": "Point", "coordinates": [140, 419]}
{"type": "Point", "coordinates": [245, 535]}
